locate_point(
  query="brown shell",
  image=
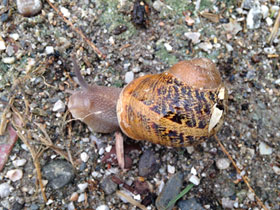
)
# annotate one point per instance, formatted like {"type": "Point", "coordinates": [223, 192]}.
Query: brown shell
{"type": "Point", "coordinates": [168, 111]}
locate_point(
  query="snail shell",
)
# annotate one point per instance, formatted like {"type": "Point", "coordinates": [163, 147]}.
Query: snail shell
{"type": "Point", "coordinates": [180, 107]}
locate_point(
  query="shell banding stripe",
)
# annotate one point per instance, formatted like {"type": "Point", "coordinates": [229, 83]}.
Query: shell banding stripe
{"type": "Point", "coordinates": [178, 117]}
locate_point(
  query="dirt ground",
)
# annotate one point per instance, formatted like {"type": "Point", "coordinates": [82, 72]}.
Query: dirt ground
{"type": "Point", "coordinates": [36, 69]}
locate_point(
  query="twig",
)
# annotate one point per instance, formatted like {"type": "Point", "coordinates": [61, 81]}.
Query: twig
{"type": "Point", "coordinates": [245, 179]}
{"type": "Point", "coordinates": [275, 29]}
{"type": "Point", "coordinates": [19, 131]}
{"type": "Point", "coordinates": [96, 50]}
{"type": "Point", "coordinates": [130, 200]}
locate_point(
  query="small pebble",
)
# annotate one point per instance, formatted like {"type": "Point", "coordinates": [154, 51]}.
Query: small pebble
{"type": "Point", "coordinates": [5, 190]}
{"type": "Point", "coordinates": [18, 163]}
{"type": "Point", "coordinates": [222, 163]}
{"type": "Point", "coordinates": [276, 170]}
{"type": "Point", "coordinates": [81, 197]}
{"type": "Point", "coordinates": [148, 164]}
{"type": "Point", "coordinates": [171, 189]}
{"type": "Point", "coordinates": [15, 174]}
{"type": "Point", "coordinates": [59, 173]}
{"type": "Point", "coordinates": [4, 17]}
{"type": "Point", "coordinates": [190, 149]}
{"type": "Point", "coordinates": [158, 5]}
{"type": "Point", "coordinates": [269, 21]}
{"type": "Point", "coordinates": [227, 203]}
{"type": "Point", "coordinates": [194, 179]}
{"type": "Point", "coordinates": [129, 76]}
{"type": "Point", "coordinates": [108, 186]}
{"type": "Point", "coordinates": [190, 204]}
{"type": "Point", "coordinates": [254, 17]}
{"type": "Point", "coordinates": [264, 10]}
{"type": "Point", "coordinates": [14, 36]}
{"type": "Point", "coordinates": [102, 207]}
{"type": "Point", "coordinates": [2, 44]}
{"type": "Point", "coordinates": [84, 157]}
{"type": "Point", "coordinates": [265, 149]}
{"type": "Point", "coordinates": [170, 169]}
{"type": "Point", "coordinates": [65, 12]}
{"type": "Point", "coordinates": [194, 36]}
{"type": "Point", "coordinates": [168, 47]}
{"type": "Point", "coordinates": [8, 60]}
{"type": "Point", "coordinates": [82, 187]}
{"type": "Point", "coordinates": [29, 8]}
{"type": "Point", "coordinates": [193, 171]}
{"type": "Point", "coordinates": [71, 206]}
{"type": "Point", "coordinates": [205, 46]}
{"type": "Point", "coordinates": [59, 106]}
{"type": "Point", "coordinates": [74, 196]}
{"type": "Point", "coordinates": [49, 50]}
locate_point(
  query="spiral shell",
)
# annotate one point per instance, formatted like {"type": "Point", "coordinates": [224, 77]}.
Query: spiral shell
{"type": "Point", "coordinates": [181, 107]}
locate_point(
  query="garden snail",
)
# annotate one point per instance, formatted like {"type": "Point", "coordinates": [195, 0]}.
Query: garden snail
{"type": "Point", "coordinates": [180, 107]}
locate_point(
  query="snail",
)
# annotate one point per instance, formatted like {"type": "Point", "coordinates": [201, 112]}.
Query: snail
{"type": "Point", "coordinates": [180, 107]}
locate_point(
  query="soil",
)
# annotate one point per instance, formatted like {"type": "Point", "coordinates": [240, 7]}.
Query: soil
{"type": "Point", "coordinates": [38, 77]}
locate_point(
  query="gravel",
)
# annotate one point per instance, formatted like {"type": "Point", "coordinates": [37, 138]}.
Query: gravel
{"type": "Point", "coordinates": [36, 70]}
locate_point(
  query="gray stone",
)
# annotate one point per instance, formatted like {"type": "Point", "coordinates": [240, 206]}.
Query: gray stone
{"type": "Point", "coordinates": [148, 164]}
{"type": "Point", "coordinates": [169, 191]}
{"type": "Point", "coordinates": [190, 204]}
{"type": "Point", "coordinates": [59, 173]}
{"type": "Point", "coordinates": [108, 186]}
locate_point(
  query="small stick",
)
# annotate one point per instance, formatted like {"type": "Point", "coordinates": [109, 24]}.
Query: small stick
{"type": "Point", "coordinates": [245, 179]}
{"type": "Point", "coordinates": [275, 29]}
{"type": "Point", "coordinates": [96, 50]}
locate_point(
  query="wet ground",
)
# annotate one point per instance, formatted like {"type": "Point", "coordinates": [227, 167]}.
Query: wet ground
{"type": "Point", "coordinates": [36, 69]}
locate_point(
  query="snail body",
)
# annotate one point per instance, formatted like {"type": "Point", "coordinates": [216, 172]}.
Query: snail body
{"type": "Point", "coordinates": [180, 107]}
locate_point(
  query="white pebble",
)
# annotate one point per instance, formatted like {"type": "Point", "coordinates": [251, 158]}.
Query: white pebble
{"type": "Point", "coordinates": [190, 149]}
{"type": "Point", "coordinates": [206, 46]}
{"type": "Point", "coordinates": [23, 146]}
{"type": "Point", "coordinates": [129, 76]}
{"type": "Point", "coordinates": [111, 40]}
{"type": "Point", "coordinates": [8, 60]}
{"type": "Point", "coordinates": [193, 171]}
{"type": "Point", "coordinates": [276, 170]}
{"type": "Point", "coordinates": [59, 106]}
{"type": "Point", "coordinates": [65, 12]}
{"type": "Point", "coordinates": [269, 21]}
{"type": "Point", "coordinates": [108, 148]}
{"type": "Point", "coordinates": [2, 44]}
{"type": "Point", "coordinates": [84, 157]}
{"type": "Point", "coordinates": [251, 196]}
{"type": "Point", "coordinates": [14, 36]}
{"type": "Point", "coordinates": [49, 202]}
{"type": "Point", "coordinates": [170, 169]}
{"type": "Point", "coordinates": [15, 174]}
{"type": "Point", "coordinates": [5, 190]}
{"type": "Point", "coordinates": [253, 19]}
{"type": "Point", "coordinates": [194, 36]}
{"type": "Point", "coordinates": [18, 163]}
{"type": "Point", "coordinates": [81, 197]}
{"type": "Point", "coordinates": [265, 149]}
{"type": "Point", "coordinates": [102, 207]}
{"type": "Point", "coordinates": [194, 179]}
{"type": "Point", "coordinates": [49, 50]}
{"type": "Point", "coordinates": [71, 206]}
{"type": "Point", "coordinates": [264, 10]}
{"type": "Point", "coordinates": [222, 163]}
{"type": "Point", "coordinates": [168, 47]}
{"type": "Point", "coordinates": [101, 151]}
{"type": "Point", "coordinates": [82, 187]}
